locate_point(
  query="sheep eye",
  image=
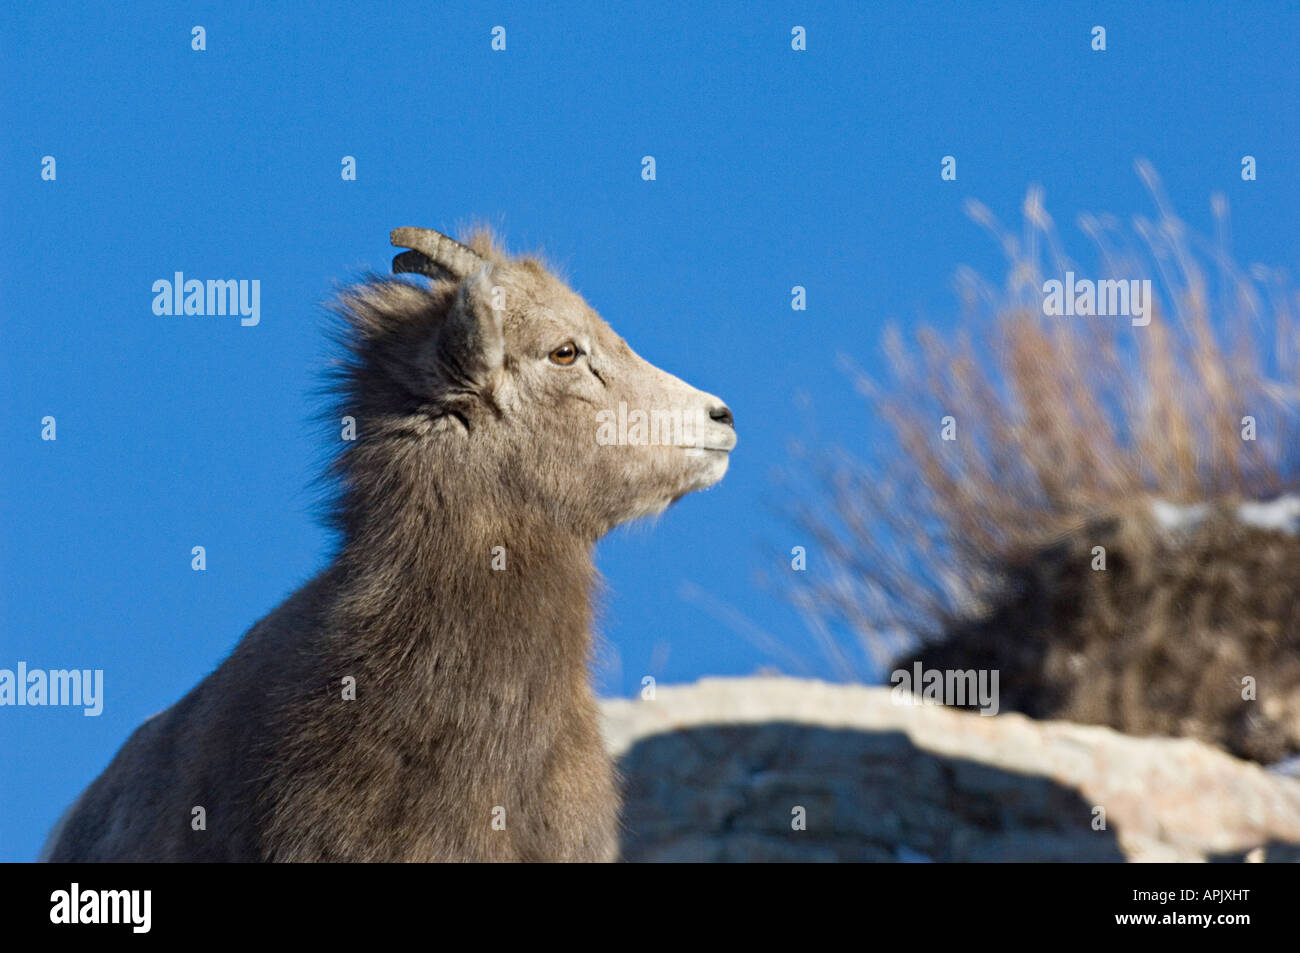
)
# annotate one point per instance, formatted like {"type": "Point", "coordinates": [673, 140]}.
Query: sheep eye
{"type": "Point", "coordinates": [565, 354]}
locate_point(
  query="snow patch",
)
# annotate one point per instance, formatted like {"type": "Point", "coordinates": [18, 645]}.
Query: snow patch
{"type": "Point", "coordinates": [1281, 515]}
{"type": "Point", "coordinates": [1179, 517]}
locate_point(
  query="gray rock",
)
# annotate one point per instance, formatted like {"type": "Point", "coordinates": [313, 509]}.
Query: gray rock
{"type": "Point", "coordinates": [722, 770]}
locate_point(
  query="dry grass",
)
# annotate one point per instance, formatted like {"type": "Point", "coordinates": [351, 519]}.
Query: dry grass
{"type": "Point", "coordinates": [1159, 643]}
{"type": "Point", "coordinates": [1064, 425]}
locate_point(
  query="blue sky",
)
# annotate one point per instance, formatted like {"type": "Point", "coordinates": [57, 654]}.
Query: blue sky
{"type": "Point", "coordinates": [775, 168]}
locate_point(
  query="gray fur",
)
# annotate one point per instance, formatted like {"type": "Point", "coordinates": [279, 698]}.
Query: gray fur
{"type": "Point", "coordinates": [472, 688]}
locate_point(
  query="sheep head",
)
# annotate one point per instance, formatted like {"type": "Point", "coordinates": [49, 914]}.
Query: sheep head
{"type": "Point", "coordinates": [501, 370]}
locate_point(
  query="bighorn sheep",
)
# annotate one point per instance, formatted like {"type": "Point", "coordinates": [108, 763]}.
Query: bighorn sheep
{"type": "Point", "coordinates": [426, 696]}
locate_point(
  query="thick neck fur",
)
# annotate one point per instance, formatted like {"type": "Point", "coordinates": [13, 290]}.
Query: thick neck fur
{"type": "Point", "coordinates": [437, 564]}
{"type": "Point", "coordinates": [466, 674]}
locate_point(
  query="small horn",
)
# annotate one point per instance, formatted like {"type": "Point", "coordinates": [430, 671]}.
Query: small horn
{"type": "Point", "coordinates": [433, 254]}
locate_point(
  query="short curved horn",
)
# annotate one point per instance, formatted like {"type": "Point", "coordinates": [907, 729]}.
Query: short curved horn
{"type": "Point", "coordinates": [433, 254]}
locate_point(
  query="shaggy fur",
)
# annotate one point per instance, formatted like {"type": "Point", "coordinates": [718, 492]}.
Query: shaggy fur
{"type": "Point", "coordinates": [472, 691]}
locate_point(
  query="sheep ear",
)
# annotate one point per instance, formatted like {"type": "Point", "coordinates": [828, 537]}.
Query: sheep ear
{"type": "Point", "coordinates": [471, 342]}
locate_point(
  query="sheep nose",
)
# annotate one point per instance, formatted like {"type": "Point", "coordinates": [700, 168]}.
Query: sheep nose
{"type": "Point", "coordinates": [722, 414]}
